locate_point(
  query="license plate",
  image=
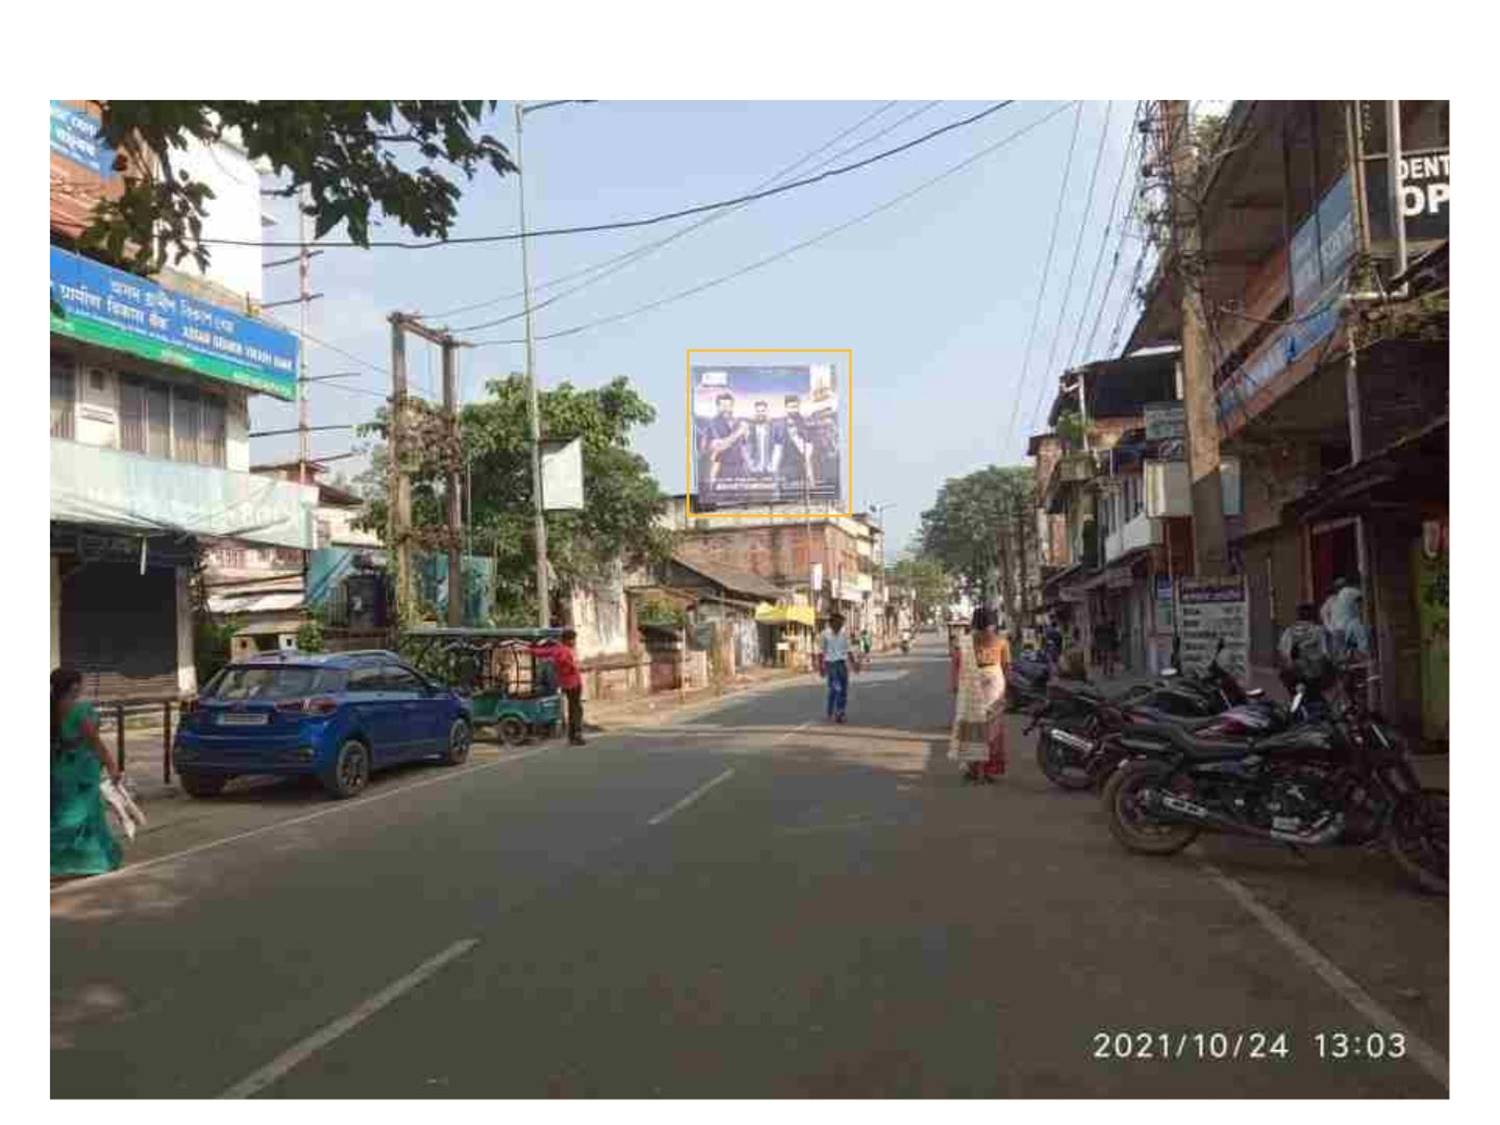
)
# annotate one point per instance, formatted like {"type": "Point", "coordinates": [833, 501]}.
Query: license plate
{"type": "Point", "coordinates": [244, 719]}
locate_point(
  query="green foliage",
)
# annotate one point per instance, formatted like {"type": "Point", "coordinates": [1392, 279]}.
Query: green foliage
{"type": "Point", "coordinates": [310, 635]}
{"type": "Point", "coordinates": [963, 530]}
{"type": "Point", "coordinates": [1070, 429]}
{"type": "Point", "coordinates": [351, 156]}
{"type": "Point", "coordinates": [657, 610]}
{"type": "Point", "coordinates": [929, 582]}
{"type": "Point", "coordinates": [212, 635]}
{"type": "Point", "coordinates": [622, 499]}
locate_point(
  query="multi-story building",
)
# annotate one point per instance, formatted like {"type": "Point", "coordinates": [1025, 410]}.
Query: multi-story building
{"type": "Point", "coordinates": [1112, 497]}
{"type": "Point", "coordinates": [1328, 344]}
{"type": "Point", "coordinates": [150, 382]}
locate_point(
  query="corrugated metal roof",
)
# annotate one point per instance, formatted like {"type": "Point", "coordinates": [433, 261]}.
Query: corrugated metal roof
{"type": "Point", "coordinates": [738, 581]}
{"type": "Point", "coordinates": [254, 603]}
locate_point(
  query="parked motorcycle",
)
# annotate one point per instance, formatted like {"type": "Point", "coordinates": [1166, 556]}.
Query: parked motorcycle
{"type": "Point", "coordinates": [1346, 778]}
{"type": "Point", "coordinates": [1075, 751]}
{"type": "Point", "coordinates": [1026, 681]}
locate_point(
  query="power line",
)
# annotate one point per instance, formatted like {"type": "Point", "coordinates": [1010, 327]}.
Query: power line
{"type": "Point", "coordinates": [1104, 241]}
{"type": "Point", "coordinates": [828, 233]}
{"type": "Point", "coordinates": [626, 224]}
{"type": "Point", "coordinates": [1114, 266]}
{"type": "Point", "coordinates": [1062, 313]}
{"type": "Point", "coordinates": [610, 267]}
{"type": "Point", "coordinates": [630, 255]}
{"type": "Point", "coordinates": [1036, 316]}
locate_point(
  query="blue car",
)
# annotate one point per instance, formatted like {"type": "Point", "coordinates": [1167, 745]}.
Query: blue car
{"type": "Point", "coordinates": [336, 716]}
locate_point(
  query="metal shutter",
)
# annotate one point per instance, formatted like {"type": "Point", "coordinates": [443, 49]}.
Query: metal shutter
{"type": "Point", "coordinates": [119, 628]}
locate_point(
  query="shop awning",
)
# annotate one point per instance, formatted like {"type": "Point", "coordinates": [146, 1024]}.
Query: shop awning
{"type": "Point", "coordinates": [1408, 472]}
{"type": "Point", "coordinates": [786, 615]}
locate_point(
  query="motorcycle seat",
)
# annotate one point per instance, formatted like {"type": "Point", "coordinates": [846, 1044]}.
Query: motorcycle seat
{"type": "Point", "coordinates": [1182, 738]}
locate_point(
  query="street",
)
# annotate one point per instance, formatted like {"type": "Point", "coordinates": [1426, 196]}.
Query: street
{"type": "Point", "coordinates": [748, 902]}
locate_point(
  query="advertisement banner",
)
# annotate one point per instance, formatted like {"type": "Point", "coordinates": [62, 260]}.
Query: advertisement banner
{"type": "Point", "coordinates": [75, 139]}
{"type": "Point", "coordinates": [1425, 194]}
{"type": "Point", "coordinates": [766, 436]}
{"type": "Point", "coordinates": [1210, 610]}
{"type": "Point", "coordinates": [1166, 616]}
{"type": "Point", "coordinates": [562, 475]}
{"type": "Point", "coordinates": [114, 309]}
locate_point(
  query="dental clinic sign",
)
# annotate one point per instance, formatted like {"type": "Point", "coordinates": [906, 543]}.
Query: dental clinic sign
{"type": "Point", "coordinates": [113, 309]}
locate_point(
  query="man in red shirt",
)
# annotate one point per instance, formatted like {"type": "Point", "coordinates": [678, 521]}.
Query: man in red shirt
{"type": "Point", "coordinates": [569, 679]}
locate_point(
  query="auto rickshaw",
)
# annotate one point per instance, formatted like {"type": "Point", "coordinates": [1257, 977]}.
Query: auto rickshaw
{"type": "Point", "coordinates": [507, 686]}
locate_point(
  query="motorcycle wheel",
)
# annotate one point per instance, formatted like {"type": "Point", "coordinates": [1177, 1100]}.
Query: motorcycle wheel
{"type": "Point", "coordinates": [1418, 839]}
{"type": "Point", "coordinates": [1131, 824]}
{"type": "Point", "coordinates": [1054, 768]}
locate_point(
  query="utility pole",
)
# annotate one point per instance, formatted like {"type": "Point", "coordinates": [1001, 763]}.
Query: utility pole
{"type": "Point", "coordinates": [1210, 553]}
{"type": "Point", "coordinates": [398, 520]}
{"type": "Point", "coordinates": [450, 415]}
{"type": "Point", "coordinates": [304, 298]}
{"type": "Point", "coordinates": [543, 586]}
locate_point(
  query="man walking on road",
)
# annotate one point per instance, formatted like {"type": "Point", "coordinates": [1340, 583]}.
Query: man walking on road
{"type": "Point", "coordinates": [569, 679]}
{"type": "Point", "coordinates": [835, 650]}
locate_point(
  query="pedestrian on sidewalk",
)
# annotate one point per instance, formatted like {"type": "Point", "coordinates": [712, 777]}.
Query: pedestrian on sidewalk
{"type": "Point", "coordinates": [979, 726]}
{"type": "Point", "coordinates": [836, 658]}
{"type": "Point", "coordinates": [565, 661]}
{"type": "Point", "coordinates": [82, 843]}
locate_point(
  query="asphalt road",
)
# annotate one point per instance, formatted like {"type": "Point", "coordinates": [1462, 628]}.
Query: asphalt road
{"type": "Point", "coordinates": [748, 903]}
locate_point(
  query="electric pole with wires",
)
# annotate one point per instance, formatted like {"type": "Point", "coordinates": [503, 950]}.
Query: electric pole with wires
{"type": "Point", "coordinates": [1185, 254]}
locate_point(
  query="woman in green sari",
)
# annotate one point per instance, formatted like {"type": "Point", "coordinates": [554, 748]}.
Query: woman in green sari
{"type": "Point", "coordinates": [82, 843]}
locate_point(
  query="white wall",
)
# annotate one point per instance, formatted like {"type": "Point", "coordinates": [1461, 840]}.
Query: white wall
{"type": "Point", "coordinates": [98, 408]}
{"type": "Point", "coordinates": [237, 430]}
{"type": "Point", "coordinates": [187, 671]}
{"type": "Point", "coordinates": [234, 212]}
{"type": "Point", "coordinates": [342, 532]}
{"type": "Point", "coordinates": [601, 615]}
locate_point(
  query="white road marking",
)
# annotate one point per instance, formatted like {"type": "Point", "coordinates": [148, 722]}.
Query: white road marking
{"type": "Point", "coordinates": [342, 806]}
{"type": "Point", "coordinates": [879, 677]}
{"type": "Point", "coordinates": [301, 1052]}
{"type": "Point", "coordinates": [691, 797]}
{"type": "Point", "coordinates": [1421, 1052]}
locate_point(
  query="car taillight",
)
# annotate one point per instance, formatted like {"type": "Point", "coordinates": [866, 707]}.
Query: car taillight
{"type": "Point", "coordinates": [317, 706]}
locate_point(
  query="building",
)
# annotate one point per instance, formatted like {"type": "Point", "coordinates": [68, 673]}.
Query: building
{"type": "Point", "coordinates": [264, 589]}
{"type": "Point", "coordinates": [835, 562]}
{"type": "Point", "coordinates": [1112, 502]}
{"type": "Point", "coordinates": [150, 459]}
{"type": "Point", "coordinates": [1328, 346]}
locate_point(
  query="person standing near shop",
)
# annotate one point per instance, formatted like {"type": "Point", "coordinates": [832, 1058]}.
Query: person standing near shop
{"type": "Point", "coordinates": [837, 657]}
{"type": "Point", "coordinates": [82, 843]}
{"type": "Point", "coordinates": [569, 680]}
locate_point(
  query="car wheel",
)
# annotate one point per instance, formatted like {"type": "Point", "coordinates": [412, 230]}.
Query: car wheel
{"type": "Point", "coordinates": [202, 784]}
{"type": "Point", "coordinates": [350, 772]}
{"type": "Point", "coordinates": [512, 731]}
{"type": "Point", "coordinates": [459, 739]}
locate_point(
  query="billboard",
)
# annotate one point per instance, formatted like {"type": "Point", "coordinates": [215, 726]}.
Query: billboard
{"type": "Point", "coordinates": [766, 435]}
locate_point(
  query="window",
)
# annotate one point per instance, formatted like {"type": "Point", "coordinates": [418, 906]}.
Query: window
{"type": "Point", "coordinates": [397, 678]}
{"type": "Point", "coordinates": [370, 678]}
{"type": "Point", "coordinates": [63, 395]}
{"type": "Point", "coordinates": [187, 420]}
{"type": "Point", "coordinates": [175, 423]}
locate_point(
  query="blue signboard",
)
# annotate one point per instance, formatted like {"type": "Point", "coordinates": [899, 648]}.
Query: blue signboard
{"type": "Point", "coordinates": [113, 309]}
{"type": "Point", "coordinates": [75, 137]}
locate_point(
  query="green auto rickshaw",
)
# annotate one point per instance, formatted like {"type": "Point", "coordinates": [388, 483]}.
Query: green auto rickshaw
{"type": "Point", "coordinates": [508, 687]}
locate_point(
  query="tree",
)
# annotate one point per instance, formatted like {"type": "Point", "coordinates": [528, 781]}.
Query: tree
{"type": "Point", "coordinates": [349, 155]}
{"type": "Point", "coordinates": [930, 584]}
{"type": "Point", "coordinates": [978, 529]}
{"type": "Point", "coordinates": [622, 499]}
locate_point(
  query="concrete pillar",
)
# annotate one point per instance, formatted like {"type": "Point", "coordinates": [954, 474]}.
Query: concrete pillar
{"type": "Point", "coordinates": [187, 671]}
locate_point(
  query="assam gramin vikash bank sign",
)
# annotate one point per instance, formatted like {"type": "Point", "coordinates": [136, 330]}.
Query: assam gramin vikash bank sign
{"type": "Point", "coordinates": [113, 309]}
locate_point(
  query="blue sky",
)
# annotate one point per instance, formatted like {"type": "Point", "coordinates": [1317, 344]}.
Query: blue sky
{"type": "Point", "coordinates": [935, 295]}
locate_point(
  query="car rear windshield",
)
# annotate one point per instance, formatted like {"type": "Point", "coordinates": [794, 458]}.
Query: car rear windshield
{"type": "Point", "coordinates": [274, 682]}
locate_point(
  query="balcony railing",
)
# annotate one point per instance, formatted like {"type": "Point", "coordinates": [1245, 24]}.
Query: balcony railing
{"type": "Point", "coordinates": [1143, 531]}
